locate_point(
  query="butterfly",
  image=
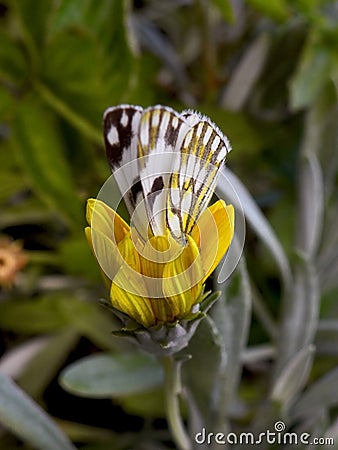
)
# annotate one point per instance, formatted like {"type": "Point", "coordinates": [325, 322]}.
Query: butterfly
{"type": "Point", "coordinates": [165, 164]}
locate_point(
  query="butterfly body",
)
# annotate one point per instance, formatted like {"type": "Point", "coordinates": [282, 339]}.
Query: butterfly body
{"type": "Point", "coordinates": [165, 164]}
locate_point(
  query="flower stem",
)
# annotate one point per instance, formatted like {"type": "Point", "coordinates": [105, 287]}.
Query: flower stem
{"type": "Point", "coordinates": [172, 386]}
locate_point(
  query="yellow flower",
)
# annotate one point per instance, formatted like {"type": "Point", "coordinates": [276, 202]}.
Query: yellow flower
{"type": "Point", "coordinates": [160, 281]}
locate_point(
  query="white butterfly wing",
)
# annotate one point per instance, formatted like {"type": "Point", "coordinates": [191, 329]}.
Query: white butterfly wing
{"type": "Point", "coordinates": [120, 128]}
{"type": "Point", "coordinates": [161, 132]}
{"type": "Point", "coordinates": [165, 165]}
{"type": "Point", "coordinates": [202, 153]}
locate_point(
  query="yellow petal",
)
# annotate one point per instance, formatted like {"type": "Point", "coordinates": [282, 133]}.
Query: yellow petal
{"type": "Point", "coordinates": [128, 253]}
{"type": "Point", "coordinates": [90, 243]}
{"type": "Point", "coordinates": [123, 297]}
{"type": "Point", "coordinates": [103, 219]}
{"type": "Point", "coordinates": [89, 238]}
{"type": "Point", "coordinates": [181, 285]}
{"type": "Point", "coordinates": [129, 276]}
{"type": "Point", "coordinates": [157, 251]}
{"type": "Point", "coordinates": [164, 310]}
{"type": "Point", "coordinates": [213, 234]}
{"type": "Point", "coordinates": [105, 251]}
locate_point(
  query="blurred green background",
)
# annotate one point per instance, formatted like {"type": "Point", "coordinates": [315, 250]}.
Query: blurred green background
{"type": "Point", "coordinates": [266, 72]}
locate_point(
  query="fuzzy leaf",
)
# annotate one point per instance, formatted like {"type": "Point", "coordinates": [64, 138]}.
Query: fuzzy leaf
{"type": "Point", "coordinates": [322, 393]}
{"type": "Point", "coordinates": [106, 376]}
{"type": "Point", "coordinates": [257, 221]}
{"type": "Point", "coordinates": [232, 318]}
{"type": "Point", "coordinates": [200, 372]}
{"type": "Point", "coordinates": [300, 314]}
{"type": "Point", "coordinates": [311, 206]}
{"type": "Point", "coordinates": [27, 420]}
{"type": "Point", "coordinates": [293, 378]}
{"type": "Point", "coordinates": [246, 74]}
{"type": "Point", "coordinates": [41, 369]}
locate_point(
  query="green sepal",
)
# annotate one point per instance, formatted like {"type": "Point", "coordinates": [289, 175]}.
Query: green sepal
{"type": "Point", "coordinates": [208, 300]}
{"type": "Point", "coordinates": [165, 338]}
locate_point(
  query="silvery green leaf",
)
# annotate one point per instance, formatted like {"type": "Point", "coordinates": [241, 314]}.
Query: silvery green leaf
{"type": "Point", "coordinates": [321, 135]}
{"type": "Point", "coordinates": [310, 205]}
{"type": "Point", "coordinates": [256, 353]}
{"type": "Point", "coordinates": [14, 361]}
{"type": "Point", "coordinates": [257, 221]}
{"type": "Point", "coordinates": [293, 378]}
{"type": "Point", "coordinates": [328, 256]}
{"type": "Point", "coordinates": [201, 371]}
{"type": "Point", "coordinates": [322, 393]}
{"type": "Point", "coordinates": [246, 74]}
{"type": "Point", "coordinates": [47, 362]}
{"type": "Point", "coordinates": [299, 314]}
{"type": "Point", "coordinates": [108, 375]}
{"type": "Point", "coordinates": [43, 355]}
{"type": "Point", "coordinates": [301, 304]}
{"type": "Point", "coordinates": [27, 420]}
{"type": "Point", "coordinates": [231, 315]}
